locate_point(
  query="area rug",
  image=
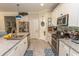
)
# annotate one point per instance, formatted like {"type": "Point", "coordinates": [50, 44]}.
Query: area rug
{"type": "Point", "coordinates": [49, 52]}
{"type": "Point", "coordinates": [29, 53]}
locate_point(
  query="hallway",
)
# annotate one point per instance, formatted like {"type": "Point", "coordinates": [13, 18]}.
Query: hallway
{"type": "Point", "coordinates": [39, 48]}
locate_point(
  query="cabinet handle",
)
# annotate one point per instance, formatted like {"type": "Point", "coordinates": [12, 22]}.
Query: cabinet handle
{"type": "Point", "coordinates": [67, 54]}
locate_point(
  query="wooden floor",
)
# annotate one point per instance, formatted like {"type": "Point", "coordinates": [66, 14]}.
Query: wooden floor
{"type": "Point", "coordinates": [38, 46]}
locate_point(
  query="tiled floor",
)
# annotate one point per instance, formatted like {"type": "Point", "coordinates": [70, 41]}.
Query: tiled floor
{"type": "Point", "coordinates": [38, 47]}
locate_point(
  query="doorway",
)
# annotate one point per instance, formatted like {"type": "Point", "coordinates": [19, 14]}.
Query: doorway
{"type": "Point", "coordinates": [10, 22]}
{"type": "Point", "coordinates": [34, 28]}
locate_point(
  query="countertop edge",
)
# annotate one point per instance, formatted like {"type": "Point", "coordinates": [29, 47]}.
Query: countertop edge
{"type": "Point", "coordinates": [11, 48]}
{"type": "Point", "coordinates": [69, 45]}
{"type": "Point", "coordinates": [14, 45]}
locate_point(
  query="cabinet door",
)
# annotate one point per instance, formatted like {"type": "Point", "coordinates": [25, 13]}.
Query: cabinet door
{"type": "Point", "coordinates": [19, 49]}
{"type": "Point", "coordinates": [63, 49]}
{"type": "Point", "coordinates": [15, 51]}
{"type": "Point", "coordinates": [73, 53]}
{"type": "Point", "coordinates": [25, 43]}
{"type": "Point", "coordinates": [11, 52]}
{"type": "Point", "coordinates": [23, 46]}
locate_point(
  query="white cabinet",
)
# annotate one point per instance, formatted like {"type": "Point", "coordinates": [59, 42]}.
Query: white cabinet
{"type": "Point", "coordinates": [19, 49]}
{"type": "Point", "coordinates": [23, 46]}
{"type": "Point", "coordinates": [11, 52]}
{"type": "Point", "coordinates": [73, 53]}
{"type": "Point", "coordinates": [63, 49]}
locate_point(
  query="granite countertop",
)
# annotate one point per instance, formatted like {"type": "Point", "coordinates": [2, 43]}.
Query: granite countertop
{"type": "Point", "coordinates": [71, 44]}
{"type": "Point", "coordinates": [6, 45]}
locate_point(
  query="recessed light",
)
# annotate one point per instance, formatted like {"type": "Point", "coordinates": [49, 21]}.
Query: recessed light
{"type": "Point", "coordinates": [42, 4]}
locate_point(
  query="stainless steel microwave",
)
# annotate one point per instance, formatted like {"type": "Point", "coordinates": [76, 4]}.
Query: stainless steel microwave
{"type": "Point", "coordinates": [63, 20]}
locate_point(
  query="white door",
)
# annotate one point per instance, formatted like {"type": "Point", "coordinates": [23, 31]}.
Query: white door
{"type": "Point", "coordinates": [34, 28]}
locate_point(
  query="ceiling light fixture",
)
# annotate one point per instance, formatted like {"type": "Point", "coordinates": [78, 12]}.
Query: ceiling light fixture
{"type": "Point", "coordinates": [42, 4]}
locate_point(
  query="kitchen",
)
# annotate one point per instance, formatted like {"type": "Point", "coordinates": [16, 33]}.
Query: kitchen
{"type": "Point", "coordinates": [51, 29]}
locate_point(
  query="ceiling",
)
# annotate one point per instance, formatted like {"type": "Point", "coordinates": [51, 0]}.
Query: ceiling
{"type": "Point", "coordinates": [26, 7]}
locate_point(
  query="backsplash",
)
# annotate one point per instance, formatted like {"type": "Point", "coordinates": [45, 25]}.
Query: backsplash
{"type": "Point", "coordinates": [73, 28]}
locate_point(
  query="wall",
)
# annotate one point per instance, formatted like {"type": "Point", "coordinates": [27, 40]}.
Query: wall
{"type": "Point", "coordinates": [43, 16]}
{"type": "Point", "coordinates": [71, 9]}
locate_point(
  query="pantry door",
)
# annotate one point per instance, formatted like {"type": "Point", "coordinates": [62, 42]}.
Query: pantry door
{"type": "Point", "coordinates": [34, 28]}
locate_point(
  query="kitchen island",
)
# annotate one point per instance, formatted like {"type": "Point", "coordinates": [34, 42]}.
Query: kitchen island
{"type": "Point", "coordinates": [68, 48]}
{"type": "Point", "coordinates": [13, 47]}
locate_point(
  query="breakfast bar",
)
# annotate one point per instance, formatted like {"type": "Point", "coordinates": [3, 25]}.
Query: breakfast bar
{"type": "Point", "coordinates": [13, 45]}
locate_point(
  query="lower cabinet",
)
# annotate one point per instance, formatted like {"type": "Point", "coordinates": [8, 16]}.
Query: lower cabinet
{"type": "Point", "coordinates": [63, 49]}
{"type": "Point", "coordinates": [73, 53]}
{"type": "Point", "coordinates": [19, 49]}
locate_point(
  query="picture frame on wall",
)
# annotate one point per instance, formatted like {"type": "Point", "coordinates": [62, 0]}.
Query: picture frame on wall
{"type": "Point", "coordinates": [42, 23]}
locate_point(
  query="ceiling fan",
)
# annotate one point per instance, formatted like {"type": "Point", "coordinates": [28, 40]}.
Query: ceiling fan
{"type": "Point", "coordinates": [21, 13]}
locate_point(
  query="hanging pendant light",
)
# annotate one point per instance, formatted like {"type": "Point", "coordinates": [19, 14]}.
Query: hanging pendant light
{"type": "Point", "coordinates": [21, 13]}
{"type": "Point", "coordinates": [18, 9]}
{"type": "Point", "coordinates": [18, 17]}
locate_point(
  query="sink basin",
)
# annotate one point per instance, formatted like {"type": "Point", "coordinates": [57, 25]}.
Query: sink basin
{"type": "Point", "coordinates": [75, 41]}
